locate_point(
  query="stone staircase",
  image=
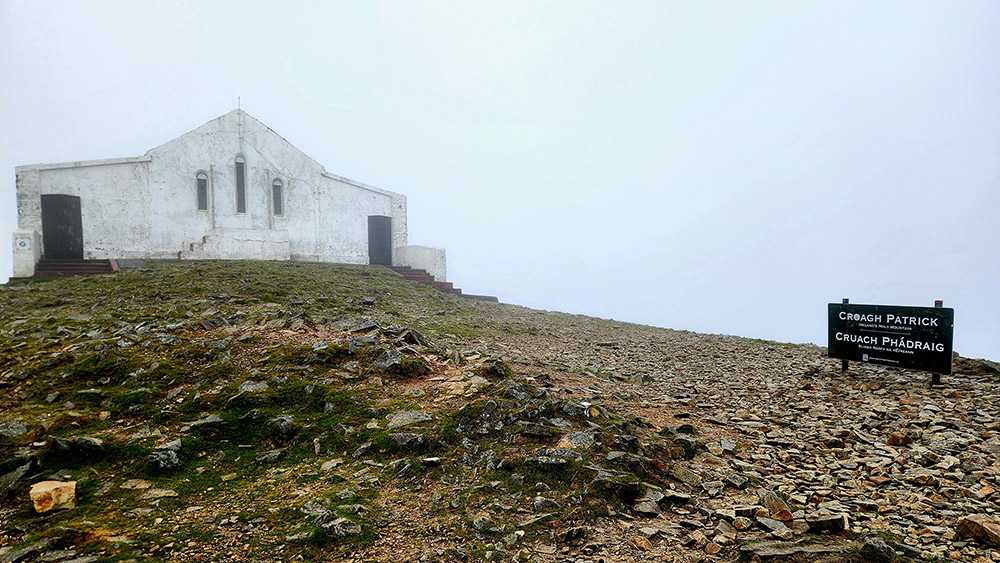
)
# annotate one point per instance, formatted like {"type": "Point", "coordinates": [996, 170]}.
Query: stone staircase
{"type": "Point", "coordinates": [47, 268]}
{"type": "Point", "coordinates": [421, 276]}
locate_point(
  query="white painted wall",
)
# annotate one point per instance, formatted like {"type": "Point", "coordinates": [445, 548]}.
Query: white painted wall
{"type": "Point", "coordinates": [432, 260]}
{"type": "Point", "coordinates": [146, 207]}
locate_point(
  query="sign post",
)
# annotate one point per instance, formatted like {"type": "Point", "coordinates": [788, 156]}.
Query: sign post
{"type": "Point", "coordinates": [905, 337]}
{"type": "Point", "coordinates": [843, 364]}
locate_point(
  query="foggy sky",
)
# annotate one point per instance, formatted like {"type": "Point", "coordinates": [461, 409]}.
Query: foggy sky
{"type": "Point", "coordinates": [722, 167]}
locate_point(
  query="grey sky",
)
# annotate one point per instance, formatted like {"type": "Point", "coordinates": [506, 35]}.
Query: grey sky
{"type": "Point", "coordinates": [713, 166]}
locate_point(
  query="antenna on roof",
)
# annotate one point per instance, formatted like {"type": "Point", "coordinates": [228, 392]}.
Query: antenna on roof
{"type": "Point", "coordinates": [238, 102]}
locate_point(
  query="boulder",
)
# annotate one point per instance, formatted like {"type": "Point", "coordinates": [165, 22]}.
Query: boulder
{"type": "Point", "coordinates": [387, 359]}
{"type": "Point", "coordinates": [340, 528]}
{"type": "Point", "coordinates": [164, 459]}
{"type": "Point", "coordinates": [778, 507]}
{"type": "Point", "coordinates": [53, 495]}
{"type": "Point", "coordinates": [875, 550]}
{"type": "Point", "coordinates": [12, 428]}
{"type": "Point", "coordinates": [980, 527]}
{"type": "Point", "coordinates": [282, 425]}
{"type": "Point", "coordinates": [828, 523]}
{"type": "Point", "coordinates": [406, 418]}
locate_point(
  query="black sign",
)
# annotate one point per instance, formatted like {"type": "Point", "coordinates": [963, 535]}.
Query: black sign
{"type": "Point", "coordinates": [905, 337]}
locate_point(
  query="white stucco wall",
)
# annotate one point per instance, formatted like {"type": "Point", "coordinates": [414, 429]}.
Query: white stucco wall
{"type": "Point", "coordinates": [146, 207]}
{"type": "Point", "coordinates": [432, 260]}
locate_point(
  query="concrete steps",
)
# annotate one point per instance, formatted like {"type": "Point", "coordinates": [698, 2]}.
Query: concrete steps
{"type": "Point", "coordinates": [421, 276]}
{"type": "Point", "coordinates": [54, 268]}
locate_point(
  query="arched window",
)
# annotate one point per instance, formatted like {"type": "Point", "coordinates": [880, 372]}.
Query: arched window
{"type": "Point", "coordinates": [202, 191]}
{"type": "Point", "coordinates": [277, 205]}
{"type": "Point", "coordinates": [241, 185]}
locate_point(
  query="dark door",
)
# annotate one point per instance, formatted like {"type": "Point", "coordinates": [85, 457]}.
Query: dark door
{"type": "Point", "coordinates": [62, 227]}
{"type": "Point", "coordinates": [380, 240]}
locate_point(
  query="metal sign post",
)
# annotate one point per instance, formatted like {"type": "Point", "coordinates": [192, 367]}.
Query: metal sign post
{"type": "Point", "coordinates": [843, 365]}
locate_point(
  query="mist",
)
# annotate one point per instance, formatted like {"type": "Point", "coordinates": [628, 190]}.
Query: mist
{"type": "Point", "coordinates": [722, 168]}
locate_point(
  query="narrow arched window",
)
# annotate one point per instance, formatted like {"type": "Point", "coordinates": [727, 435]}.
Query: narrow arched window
{"type": "Point", "coordinates": [277, 205]}
{"type": "Point", "coordinates": [202, 191]}
{"type": "Point", "coordinates": [241, 185]}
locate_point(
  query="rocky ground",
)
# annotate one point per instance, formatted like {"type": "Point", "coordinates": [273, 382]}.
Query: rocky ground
{"type": "Point", "coordinates": [285, 412]}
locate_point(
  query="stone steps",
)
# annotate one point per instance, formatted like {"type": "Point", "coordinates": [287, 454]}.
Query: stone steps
{"type": "Point", "coordinates": [49, 268]}
{"type": "Point", "coordinates": [421, 276]}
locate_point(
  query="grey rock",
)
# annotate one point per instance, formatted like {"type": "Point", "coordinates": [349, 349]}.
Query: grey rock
{"type": "Point", "coordinates": [627, 441]}
{"type": "Point", "coordinates": [9, 480]}
{"type": "Point", "coordinates": [648, 532]}
{"type": "Point", "coordinates": [875, 550]}
{"type": "Point", "coordinates": [777, 528]}
{"type": "Point", "coordinates": [728, 446]}
{"type": "Point", "coordinates": [580, 439]}
{"type": "Point", "coordinates": [559, 452]}
{"type": "Point", "coordinates": [408, 441]}
{"type": "Point", "coordinates": [361, 450]}
{"type": "Point", "coordinates": [388, 358]}
{"type": "Point", "coordinates": [688, 442]}
{"type": "Point", "coordinates": [769, 550]}
{"type": "Point", "coordinates": [411, 336]}
{"type": "Point", "coordinates": [268, 457]}
{"type": "Point", "coordinates": [685, 475]}
{"type": "Point", "coordinates": [164, 459]}
{"type": "Point", "coordinates": [518, 391]}
{"type": "Point", "coordinates": [172, 446]}
{"type": "Point", "coordinates": [483, 523]}
{"type": "Point", "coordinates": [539, 430]}
{"type": "Point", "coordinates": [283, 424]}
{"type": "Point", "coordinates": [575, 410]}
{"type": "Point", "coordinates": [649, 503]}
{"type": "Point", "coordinates": [210, 419]}
{"type": "Point", "coordinates": [359, 510]}
{"type": "Point", "coordinates": [355, 344]}
{"type": "Point", "coordinates": [313, 508]}
{"type": "Point", "coordinates": [24, 553]}
{"type": "Point", "coordinates": [406, 418]}
{"type": "Point", "coordinates": [546, 461]}
{"type": "Point", "coordinates": [87, 446]}
{"type": "Point", "coordinates": [828, 523]}
{"type": "Point", "coordinates": [57, 555]}
{"type": "Point", "coordinates": [356, 325]}
{"type": "Point", "coordinates": [253, 386]}
{"type": "Point", "coordinates": [340, 528]}
{"type": "Point", "coordinates": [561, 423]}
{"type": "Point", "coordinates": [736, 481]}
